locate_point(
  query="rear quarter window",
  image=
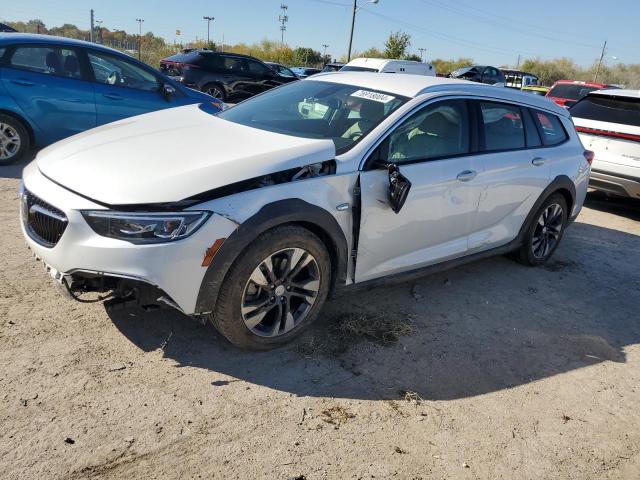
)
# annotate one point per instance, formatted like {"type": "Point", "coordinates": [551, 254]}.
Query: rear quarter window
{"type": "Point", "coordinates": [553, 133]}
{"type": "Point", "coordinates": [621, 110]}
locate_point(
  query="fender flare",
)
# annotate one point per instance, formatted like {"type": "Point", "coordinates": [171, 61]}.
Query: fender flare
{"type": "Point", "coordinates": [272, 215]}
{"type": "Point", "coordinates": [561, 182]}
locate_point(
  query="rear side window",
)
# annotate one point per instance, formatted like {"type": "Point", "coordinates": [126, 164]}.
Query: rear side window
{"type": "Point", "coordinates": [502, 126]}
{"type": "Point", "coordinates": [61, 62]}
{"type": "Point", "coordinates": [531, 130]}
{"type": "Point", "coordinates": [235, 64]}
{"type": "Point", "coordinates": [609, 109]}
{"type": "Point", "coordinates": [553, 133]}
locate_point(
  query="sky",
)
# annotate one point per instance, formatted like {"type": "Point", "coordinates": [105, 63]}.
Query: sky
{"type": "Point", "coordinates": [491, 32]}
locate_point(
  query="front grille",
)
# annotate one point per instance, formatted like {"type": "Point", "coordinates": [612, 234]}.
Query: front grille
{"type": "Point", "coordinates": [43, 222]}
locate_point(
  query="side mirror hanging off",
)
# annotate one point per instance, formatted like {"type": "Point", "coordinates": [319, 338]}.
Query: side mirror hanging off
{"type": "Point", "coordinates": [399, 187]}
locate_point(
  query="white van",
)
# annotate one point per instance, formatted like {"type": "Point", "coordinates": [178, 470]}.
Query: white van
{"type": "Point", "coordinates": [384, 65]}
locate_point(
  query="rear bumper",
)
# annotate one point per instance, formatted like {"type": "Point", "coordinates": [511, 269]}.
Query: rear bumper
{"type": "Point", "coordinates": [617, 184]}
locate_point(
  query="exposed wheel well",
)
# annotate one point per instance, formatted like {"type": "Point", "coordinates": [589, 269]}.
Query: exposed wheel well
{"type": "Point", "coordinates": [24, 123]}
{"type": "Point", "coordinates": [328, 242]}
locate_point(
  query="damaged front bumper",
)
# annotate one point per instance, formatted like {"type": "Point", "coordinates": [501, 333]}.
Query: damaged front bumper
{"type": "Point", "coordinates": [82, 261]}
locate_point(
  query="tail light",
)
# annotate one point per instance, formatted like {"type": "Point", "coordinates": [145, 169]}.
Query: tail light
{"type": "Point", "coordinates": [589, 156]}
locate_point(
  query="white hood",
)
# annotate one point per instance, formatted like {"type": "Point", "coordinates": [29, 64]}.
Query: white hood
{"type": "Point", "coordinates": [170, 155]}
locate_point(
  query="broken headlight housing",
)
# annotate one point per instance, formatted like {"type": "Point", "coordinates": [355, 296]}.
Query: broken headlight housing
{"type": "Point", "coordinates": [148, 227]}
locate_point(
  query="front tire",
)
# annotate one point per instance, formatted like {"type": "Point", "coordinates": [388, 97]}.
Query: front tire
{"type": "Point", "coordinates": [14, 140]}
{"type": "Point", "coordinates": [275, 290]}
{"type": "Point", "coordinates": [545, 232]}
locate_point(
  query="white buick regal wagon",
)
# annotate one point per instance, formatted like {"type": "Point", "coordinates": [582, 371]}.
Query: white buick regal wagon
{"type": "Point", "coordinates": [250, 217]}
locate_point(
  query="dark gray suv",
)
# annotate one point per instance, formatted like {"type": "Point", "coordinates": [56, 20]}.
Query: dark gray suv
{"type": "Point", "coordinates": [230, 77]}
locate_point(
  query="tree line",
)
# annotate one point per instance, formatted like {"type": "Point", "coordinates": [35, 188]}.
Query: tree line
{"type": "Point", "coordinates": [397, 46]}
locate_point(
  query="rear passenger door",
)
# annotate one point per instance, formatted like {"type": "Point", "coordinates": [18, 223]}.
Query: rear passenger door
{"type": "Point", "coordinates": [515, 172]}
{"type": "Point", "coordinates": [48, 84]}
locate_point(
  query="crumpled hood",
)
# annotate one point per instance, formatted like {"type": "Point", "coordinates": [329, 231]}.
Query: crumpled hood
{"type": "Point", "coordinates": [170, 155]}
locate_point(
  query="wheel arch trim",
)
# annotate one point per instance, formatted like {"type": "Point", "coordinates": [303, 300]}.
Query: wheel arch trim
{"type": "Point", "coordinates": [561, 184]}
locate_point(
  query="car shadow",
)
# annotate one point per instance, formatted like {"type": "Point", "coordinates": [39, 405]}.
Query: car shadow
{"type": "Point", "coordinates": [479, 328]}
{"type": "Point", "coordinates": [622, 206]}
{"type": "Point", "coordinates": [14, 170]}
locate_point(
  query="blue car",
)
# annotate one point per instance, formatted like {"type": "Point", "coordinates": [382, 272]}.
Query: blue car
{"type": "Point", "coordinates": [52, 87]}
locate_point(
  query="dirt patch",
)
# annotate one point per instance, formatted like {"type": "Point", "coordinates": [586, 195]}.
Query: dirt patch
{"type": "Point", "coordinates": [346, 330]}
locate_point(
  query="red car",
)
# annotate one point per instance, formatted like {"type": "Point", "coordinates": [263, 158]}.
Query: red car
{"type": "Point", "coordinates": [567, 92]}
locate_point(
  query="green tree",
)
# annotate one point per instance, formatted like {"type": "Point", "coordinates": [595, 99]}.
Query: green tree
{"type": "Point", "coordinates": [447, 66]}
{"type": "Point", "coordinates": [397, 44]}
{"type": "Point", "coordinates": [413, 57]}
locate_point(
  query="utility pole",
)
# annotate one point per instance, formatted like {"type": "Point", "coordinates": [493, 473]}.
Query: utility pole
{"type": "Point", "coordinates": [283, 19]}
{"type": "Point", "coordinates": [422, 50]}
{"type": "Point", "coordinates": [353, 23]}
{"type": "Point", "coordinates": [208, 19]}
{"type": "Point", "coordinates": [604, 47]}
{"type": "Point", "coordinates": [92, 27]}
{"type": "Point", "coordinates": [518, 64]}
{"type": "Point", "coordinates": [140, 20]}
{"type": "Point", "coordinates": [324, 53]}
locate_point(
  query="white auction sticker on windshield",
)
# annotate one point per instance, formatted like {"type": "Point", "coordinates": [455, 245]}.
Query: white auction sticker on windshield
{"type": "Point", "coordinates": [375, 96]}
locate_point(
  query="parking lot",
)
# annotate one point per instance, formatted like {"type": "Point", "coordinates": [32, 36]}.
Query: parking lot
{"type": "Point", "coordinates": [491, 370]}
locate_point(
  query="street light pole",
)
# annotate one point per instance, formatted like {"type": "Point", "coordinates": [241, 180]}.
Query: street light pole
{"type": "Point", "coordinates": [324, 53]}
{"type": "Point", "coordinates": [422, 50]}
{"type": "Point", "coordinates": [208, 19]}
{"type": "Point", "coordinates": [353, 23]}
{"type": "Point", "coordinates": [140, 20]}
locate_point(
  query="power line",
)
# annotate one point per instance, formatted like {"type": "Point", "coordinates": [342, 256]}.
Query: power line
{"type": "Point", "coordinates": [509, 26]}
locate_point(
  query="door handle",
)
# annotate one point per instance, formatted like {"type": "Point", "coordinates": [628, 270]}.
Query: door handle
{"type": "Point", "coordinates": [24, 83]}
{"type": "Point", "coordinates": [467, 175]}
{"type": "Point", "coordinates": [112, 96]}
{"type": "Point", "coordinates": [538, 161]}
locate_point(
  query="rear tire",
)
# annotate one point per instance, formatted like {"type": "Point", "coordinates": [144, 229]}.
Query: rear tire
{"type": "Point", "coordinates": [545, 231]}
{"type": "Point", "coordinates": [14, 140]}
{"type": "Point", "coordinates": [216, 91]}
{"type": "Point", "coordinates": [275, 289]}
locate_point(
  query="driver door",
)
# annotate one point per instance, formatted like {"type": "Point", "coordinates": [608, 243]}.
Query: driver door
{"type": "Point", "coordinates": [123, 88]}
{"type": "Point", "coordinates": [432, 150]}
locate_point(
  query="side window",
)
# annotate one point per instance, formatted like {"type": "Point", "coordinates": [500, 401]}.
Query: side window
{"type": "Point", "coordinates": [234, 64]}
{"type": "Point", "coordinates": [2, 50]}
{"type": "Point", "coordinates": [115, 71]}
{"type": "Point", "coordinates": [61, 62]}
{"type": "Point", "coordinates": [553, 132]}
{"type": "Point", "coordinates": [502, 126]}
{"type": "Point", "coordinates": [530, 129]}
{"type": "Point", "coordinates": [258, 69]}
{"type": "Point", "coordinates": [439, 130]}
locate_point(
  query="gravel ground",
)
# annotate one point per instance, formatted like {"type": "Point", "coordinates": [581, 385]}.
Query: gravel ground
{"type": "Point", "coordinates": [492, 370]}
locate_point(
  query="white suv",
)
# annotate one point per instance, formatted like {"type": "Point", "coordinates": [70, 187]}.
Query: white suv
{"type": "Point", "coordinates": [251, 216]}
{"type": "Point", "coordinates": [608, 122]}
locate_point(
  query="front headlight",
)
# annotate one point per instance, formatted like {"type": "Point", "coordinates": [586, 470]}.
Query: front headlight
{"type": "Point", "coordinates": [148, 227]}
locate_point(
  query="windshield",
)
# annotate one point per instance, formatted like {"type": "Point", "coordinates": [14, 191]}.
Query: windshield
{"type": "Point", "coordinates": [570, 91]}
{"type": "Point", "coordinates": [314, 109]}
{"type": "Point", "coordinates": [624, 110]}
{"type": "Point", "coordinates": [350, 68]}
